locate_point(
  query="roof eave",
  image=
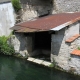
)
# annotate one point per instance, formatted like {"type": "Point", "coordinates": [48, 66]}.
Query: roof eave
{"type": "Point", "coordinates": [60, 27]}
{"type": "Point", "coordinates": [65, 24]}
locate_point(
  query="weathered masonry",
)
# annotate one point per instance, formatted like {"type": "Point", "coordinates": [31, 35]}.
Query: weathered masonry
{"type": "Point", "coordinates": [57, 36]}
{"type": "Point", "coordinates": [38, 8]}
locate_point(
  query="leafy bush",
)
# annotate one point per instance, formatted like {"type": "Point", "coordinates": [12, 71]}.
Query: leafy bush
{"type": "Point", "coordinates": [4, 47]}
{"type": "Point", "coordinates": [16, 5]}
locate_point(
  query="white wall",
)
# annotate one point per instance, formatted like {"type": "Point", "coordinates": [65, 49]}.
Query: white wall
{"type": "Point", "coordinates": [6, 18]}
{"type": "Point", "coordinates": [72, 30]}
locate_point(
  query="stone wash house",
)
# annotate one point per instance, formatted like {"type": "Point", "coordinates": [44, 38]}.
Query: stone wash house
{"type": "Point", "coordinates": [57, 36]}
{"type": "Point", "coordinates": [6, 17]}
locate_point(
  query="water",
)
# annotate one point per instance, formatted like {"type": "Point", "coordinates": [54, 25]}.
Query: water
{"type": "Point", "coordinates": [12, 68]}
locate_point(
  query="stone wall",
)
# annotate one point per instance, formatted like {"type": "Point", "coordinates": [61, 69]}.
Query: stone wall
{"type": "Point", "coordinates": [67, 5]}
{"type": "Point", "coordinates": [35, 8]}
{"type": "Point", "coordinates": [21, 43]}
{"type": "Point", "coordinates": [60, 50]}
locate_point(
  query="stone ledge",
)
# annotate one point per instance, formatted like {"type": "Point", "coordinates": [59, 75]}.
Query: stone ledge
{"type": "Point", "coordinates": [38, 61]}
{"type": "Point", "coordinates": [30, 59]}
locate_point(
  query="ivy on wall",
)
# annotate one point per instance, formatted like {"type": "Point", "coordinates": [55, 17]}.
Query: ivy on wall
{"type": "Point", "coordinates": [16, 4]}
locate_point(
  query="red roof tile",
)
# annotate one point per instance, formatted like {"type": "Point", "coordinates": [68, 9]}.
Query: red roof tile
{"type": "Point", "coordinates": [76, 52]}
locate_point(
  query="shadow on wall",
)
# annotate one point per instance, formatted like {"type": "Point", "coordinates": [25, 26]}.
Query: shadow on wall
{"type": "Point", "coordinates": [75, 56]}
{"type": "Point", "coordinates": [42, 7]}
{"type": "Point", "coordinates": [21, 43]}
{"type": "Point", "coordinates": [57, 42]}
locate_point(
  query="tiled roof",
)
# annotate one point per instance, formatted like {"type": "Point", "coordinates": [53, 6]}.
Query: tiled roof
{"type": "Point", "coordinates": [52, 22]}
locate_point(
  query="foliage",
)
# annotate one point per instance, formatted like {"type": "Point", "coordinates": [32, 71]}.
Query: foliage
{"type": "Point", "coordinates": [78, 48]}
{"type": "Point", "coordinates": [19, 55]}
{"type": "Point", "coordinates": [16, 5]}
{"type": "Point", "coordinates": [4, 47]}
{"type": "Point", "coordinates": [51, 65]}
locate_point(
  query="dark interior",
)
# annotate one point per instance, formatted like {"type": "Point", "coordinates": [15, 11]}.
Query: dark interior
{"type": "Point", "coordinates": [42, 40]}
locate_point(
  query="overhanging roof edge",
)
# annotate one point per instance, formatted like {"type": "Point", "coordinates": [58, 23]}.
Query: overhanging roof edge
{"type": "Point", "coordinates": [60, 26]}
{"type": "Point", "coordinates": [65, 24]}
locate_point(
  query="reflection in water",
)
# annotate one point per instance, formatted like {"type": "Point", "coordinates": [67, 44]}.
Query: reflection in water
{"type": "Point", "coordinates": [17, 69]}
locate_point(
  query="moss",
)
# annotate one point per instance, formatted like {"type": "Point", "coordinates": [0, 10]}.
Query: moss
{"type": "Point", "coordinates": [69, 59]}
{"type": "Point", "coordinates": [51, 65]}
{"type": "Point", "coordinates": [20, 56]}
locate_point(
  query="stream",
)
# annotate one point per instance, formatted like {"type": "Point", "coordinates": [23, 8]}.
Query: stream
{"type": "Point", "coordinates": [12, 68]}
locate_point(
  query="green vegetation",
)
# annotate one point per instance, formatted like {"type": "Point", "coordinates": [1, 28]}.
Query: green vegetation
{"type": "Point", "coordinates": [69, 59]}
{"type": "Point", "coordinates": [18, 55]}
{"type": "Point", "coordinates": [16, 5]}
{"type": "Point", "coordinates": [51, 65]}
{"type": "Point", "coordinates": [5, 48]}
{"type": "Point", "coordinates": [78, 48]}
